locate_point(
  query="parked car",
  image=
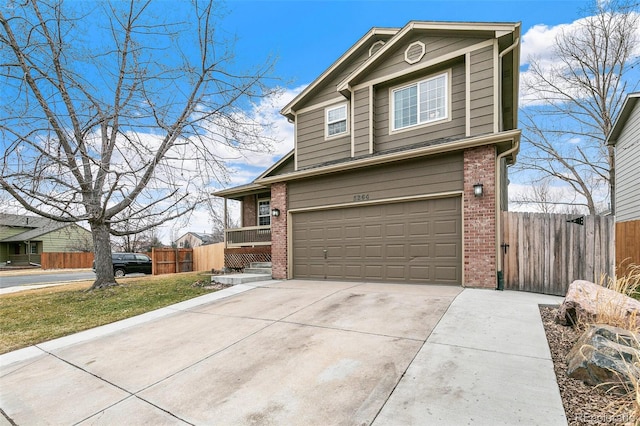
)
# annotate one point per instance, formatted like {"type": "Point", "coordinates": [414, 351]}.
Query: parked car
{"type": "Point", "coordinates": [129, 263]}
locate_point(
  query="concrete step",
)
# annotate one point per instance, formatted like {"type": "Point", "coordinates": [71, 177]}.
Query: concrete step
{"type": "Point", "coordinates": [260, 265]}
{"type": "Point", "coordinates": [235, 279]}
{"type": "Point", "coordinates": [256, 270]}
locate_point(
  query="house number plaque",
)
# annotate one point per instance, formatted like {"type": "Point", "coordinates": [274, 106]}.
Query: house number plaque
{"type": "Point", "coordinates": [361, 197]}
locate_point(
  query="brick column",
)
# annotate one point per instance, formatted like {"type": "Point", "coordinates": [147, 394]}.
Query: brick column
{"type": "Point", "coordinates": [279, 264]}
{"type": "Point", "coordinates": [480, 218]}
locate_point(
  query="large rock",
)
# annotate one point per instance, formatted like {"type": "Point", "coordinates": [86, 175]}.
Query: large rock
{"type": "Point", "coordinates": [587, 302]}
{"type": "Point", "coordinates": [606, 356]}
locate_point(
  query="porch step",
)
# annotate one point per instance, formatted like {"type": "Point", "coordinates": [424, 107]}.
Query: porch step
{"type": "Point", "coordinates": [260, 265]}
{"type": "Point", "coordinates": [253, 270]}
{"type": "Point", "coordinates": [258, 268]}
{"type": "Point", "coordinates": [234, 279]}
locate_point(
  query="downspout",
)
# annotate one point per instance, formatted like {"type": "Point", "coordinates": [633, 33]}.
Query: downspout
{"type": "Point", "coordinates": [513, 150]}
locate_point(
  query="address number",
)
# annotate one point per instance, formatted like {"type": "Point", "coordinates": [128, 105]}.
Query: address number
{"type": "Point", "coordinates": [361, 197]}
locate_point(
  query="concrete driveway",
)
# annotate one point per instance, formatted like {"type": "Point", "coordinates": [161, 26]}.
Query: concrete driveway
{"type": "Point", "coordinates": [293, 352]}
{"type": "Point", "coordinates": [298, 352]}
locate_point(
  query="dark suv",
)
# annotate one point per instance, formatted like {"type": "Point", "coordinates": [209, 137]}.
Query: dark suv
{"type": "Point", "coordinates": [129, 263]}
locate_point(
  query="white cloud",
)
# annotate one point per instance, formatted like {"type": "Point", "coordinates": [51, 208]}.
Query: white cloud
{"type": "Point", "coordinates": [539, 43]}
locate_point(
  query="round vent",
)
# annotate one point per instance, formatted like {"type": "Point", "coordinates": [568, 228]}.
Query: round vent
{"type": "Point", "coordinates": [414, 52]}
{"type": "Point", "coordinates": [375, 47]}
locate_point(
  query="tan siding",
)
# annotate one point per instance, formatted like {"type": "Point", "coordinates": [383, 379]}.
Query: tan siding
{"type": "Point", "coordinates": [286, 167]}
{"type": "Point", "coordinates": [435, 46]}
{"type": "Point", "coordinates": [10, 231]}
{"type": "Point", "coordinates": [627, 157]}
{"type": "Point", "coordinates": [482, 91]}
{"type": "Point", "coordinates": [313, 149]}
{"type": "Point", "coordinates": [71, 238]}
{"type": "Point", "coordinates": [454, 128]}
{"type": "Point", "coordinates": [403, 179]}
{"type": "Point", "coordinates": [361, 122]}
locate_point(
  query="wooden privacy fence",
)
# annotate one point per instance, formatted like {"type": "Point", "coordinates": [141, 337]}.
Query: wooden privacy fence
{"type": "Point", "coordinates": [171, 261]}
{"type": "Point", "coordinates": [69, 260]}
{"type": "Point", "coordinates": [174, 260]}
{"type": "Point", "coordinates": [206, 258]}
{"type": "Point", "coordinates": [627, 244]}
{"type": "Point", "coordinates": [544, 253]}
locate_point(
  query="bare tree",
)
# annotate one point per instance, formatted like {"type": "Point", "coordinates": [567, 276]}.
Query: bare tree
{"type": "Point", "coordinates": [546, 198]}
{"type": "Point", "coordinates": [118, 113]}
{"type": "Point", "coordinates": [576, 98]}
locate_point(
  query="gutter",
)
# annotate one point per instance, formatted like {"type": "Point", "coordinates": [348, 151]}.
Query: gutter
{"type": "Point", "coordinates": [513, 150]}
{"type": "Point", "coordinates": [492, 138]}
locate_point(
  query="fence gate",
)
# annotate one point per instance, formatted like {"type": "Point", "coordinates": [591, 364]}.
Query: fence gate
{"type": "Point", "coordinates": [171, 261]}
{"type": "Point", "coordinates": [544, 253]}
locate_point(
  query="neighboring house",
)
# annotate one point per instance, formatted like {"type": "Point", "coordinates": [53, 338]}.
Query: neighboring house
{"type": "Point", "coordinates": [625, 137]}
{"type": "Point", "coordinates": [389, 144]}
{"type": "Point", "coordinates": [24, 238]}
{"type": "Point", "coordinates": [194, 239]}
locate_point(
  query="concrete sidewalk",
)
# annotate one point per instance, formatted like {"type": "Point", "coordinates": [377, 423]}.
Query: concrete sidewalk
{"type": "Point", "coordinates": [299, 352]}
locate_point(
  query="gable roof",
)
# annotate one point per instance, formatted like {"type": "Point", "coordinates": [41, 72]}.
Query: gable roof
{"type": "Point", "coordinates": [34, 226]}
{"type": "Point", "coordinates": [396, 36]}
{"type": "Point", "coordinates": [204, 237]}
{"type": "Point", "coordinates": [372, 33]}
{"type": "Point", "coordinates": [623, 116]}
{"type": "Point", "coordinates": [498, 30]}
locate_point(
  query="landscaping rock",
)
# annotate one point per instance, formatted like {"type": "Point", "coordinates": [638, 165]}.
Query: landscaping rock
{"type": "Point", "coordinates": [606, 356]}
{"type": "Point", "coordinates": [585, 300]}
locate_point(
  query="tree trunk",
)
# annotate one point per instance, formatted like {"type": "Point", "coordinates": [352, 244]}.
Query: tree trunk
{"type": "Point", "coordinates": [102, 255]}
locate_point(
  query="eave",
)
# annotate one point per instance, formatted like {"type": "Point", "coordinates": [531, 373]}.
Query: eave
{"type": "Point", "coordinates": [237, 192]}
{"type": "Point", "coordinates": [623, 116]}
{"type": "Point", "coordinates": [504, 141]}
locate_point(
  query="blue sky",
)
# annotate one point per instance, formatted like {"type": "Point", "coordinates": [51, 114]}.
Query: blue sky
{"type": "Point", "coordinates": [308, 36]}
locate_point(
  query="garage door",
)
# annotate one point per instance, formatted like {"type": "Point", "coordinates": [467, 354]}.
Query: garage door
{"type": "Point", "coordinates": [418, 241]}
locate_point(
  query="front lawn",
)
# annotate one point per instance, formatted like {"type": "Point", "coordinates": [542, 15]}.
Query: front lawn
{"type": "Point", "coordinates": [35, 316]}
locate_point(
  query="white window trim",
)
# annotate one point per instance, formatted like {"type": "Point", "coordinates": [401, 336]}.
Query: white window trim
{"type": "Point", "coordinates": [258, 216]}
{"type": "Point", "coordinates": [344, 105]}
{"type": "Point", "coordinates": [392, 111]}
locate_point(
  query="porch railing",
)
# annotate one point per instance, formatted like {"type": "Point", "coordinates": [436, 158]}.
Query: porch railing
{"type": "Point", "coordinates": [248, 236]}
{"type": "Point", "coordinates": [24, 259]}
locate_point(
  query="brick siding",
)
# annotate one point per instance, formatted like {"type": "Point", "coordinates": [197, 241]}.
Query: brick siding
{"type": "Point", "coordinates": [480, 218]}
{"type": "Point", "coordinates": [279, 231]}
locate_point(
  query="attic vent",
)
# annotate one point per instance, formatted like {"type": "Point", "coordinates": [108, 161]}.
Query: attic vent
{"type": "Point", "coordinates": [414, 52]}
{"type": "Point", "coordinates": [375, 47]}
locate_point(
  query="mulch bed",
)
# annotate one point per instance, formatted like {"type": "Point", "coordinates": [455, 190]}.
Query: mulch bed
{"type": "Point", "coordinates": [583, 404]}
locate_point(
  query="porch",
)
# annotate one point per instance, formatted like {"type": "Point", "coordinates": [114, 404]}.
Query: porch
{"type": "Point", "coordinates": [247, 245]}
{"type": "Point", "coordinates": [251, 241]}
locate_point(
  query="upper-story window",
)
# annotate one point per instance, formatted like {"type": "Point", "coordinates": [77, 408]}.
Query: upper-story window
{"type": "Point", "coordinates": [264, 212]}
{"type": "Point", "coordinates": [420, 102]}
{"type": "Point", "coordinates": [336, 119]}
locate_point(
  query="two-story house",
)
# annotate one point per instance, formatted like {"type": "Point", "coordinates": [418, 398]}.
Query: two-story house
{"type": "Point", "coordinates": [399, 166]}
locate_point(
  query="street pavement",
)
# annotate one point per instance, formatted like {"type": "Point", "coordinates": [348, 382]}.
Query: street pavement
{"type": "Point", "coordinates": [30, 277]}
